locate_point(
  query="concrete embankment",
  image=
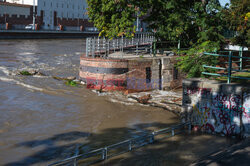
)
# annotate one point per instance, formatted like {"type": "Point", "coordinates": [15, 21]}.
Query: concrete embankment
{"type": "Point", "coordinates": [217, 107]}
{"type": "Point", "coordinates": [30, 34]}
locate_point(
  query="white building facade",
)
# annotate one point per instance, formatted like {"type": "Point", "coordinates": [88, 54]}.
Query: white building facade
{"type": "Point", "coordinates": [52, 11]}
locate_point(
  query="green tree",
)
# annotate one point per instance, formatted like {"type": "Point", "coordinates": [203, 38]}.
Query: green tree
{"type": "Point", "coordinates": [114, 17]}
{"type": "Point", "coordinates": [191, 21]}
{"type": "Point", "coordinates": [237, 17]}
{"type": "Point", "coordinates": [197, 23]}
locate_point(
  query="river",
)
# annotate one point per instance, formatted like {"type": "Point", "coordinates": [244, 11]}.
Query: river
{"type": "Point", "coordinates": [43, 120]}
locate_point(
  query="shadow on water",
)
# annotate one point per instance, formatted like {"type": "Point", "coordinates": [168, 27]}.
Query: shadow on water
{"type": "Point", "coordinates": [174, 151]}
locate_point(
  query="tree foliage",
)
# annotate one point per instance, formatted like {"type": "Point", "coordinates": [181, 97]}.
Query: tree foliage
{"type": "Point", "coordinates": [238, 20]}
{"type": "Point", "coordinates": [197, 23]}
{"type": "Point", "coordinates": [114, 17]}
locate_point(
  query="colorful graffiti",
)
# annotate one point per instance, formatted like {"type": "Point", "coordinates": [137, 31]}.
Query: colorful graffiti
{"type": "Point", "coordinates": [218, 112]}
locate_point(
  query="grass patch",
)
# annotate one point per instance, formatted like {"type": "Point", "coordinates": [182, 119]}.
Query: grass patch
{"type": "Point", "coordinates": [25, 73]}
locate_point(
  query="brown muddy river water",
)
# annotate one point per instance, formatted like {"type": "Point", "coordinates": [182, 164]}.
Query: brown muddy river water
{"type": "Point", "coordinates": [43, 120]}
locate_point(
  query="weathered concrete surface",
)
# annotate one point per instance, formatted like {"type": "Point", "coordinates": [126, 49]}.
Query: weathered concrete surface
{"type": "Point", "coordinates": [217, 107]}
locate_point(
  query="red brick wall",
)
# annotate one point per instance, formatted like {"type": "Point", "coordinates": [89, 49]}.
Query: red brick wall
{"type": "Point", "coordinates": [21, 20]}
{"type": "Point", "coordinates": [74, 22]}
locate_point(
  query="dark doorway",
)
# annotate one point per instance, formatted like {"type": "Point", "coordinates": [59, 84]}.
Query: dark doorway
{"type": "Point", "coordinates": [148, 74]}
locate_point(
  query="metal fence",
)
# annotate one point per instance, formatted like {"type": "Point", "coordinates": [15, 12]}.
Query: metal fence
{"type": "Point", "coordinates": [102, 47]}
{"type": "Point", "coordinates": [229, 69]}
{"type": "Point", "coordinates": [123, 147]}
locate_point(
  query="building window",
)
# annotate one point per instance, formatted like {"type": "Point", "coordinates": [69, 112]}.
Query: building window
{"type": "Point", "coordinates": [73, 6]}
{"type": "Point", "coordinates": [56, 5]}
{"type": "Point", "coordinates": [73, 15]}
{"type": "Point", "coordinates": [67, 5]}
{"type": "Point", "coordinates": [44, 3]}
{"type": "Point", "coordinates": [62, 14]}
{"type": "Point", "coordinates": [62, 5]}
{"type": "Point", "coordinates": [51, 4]}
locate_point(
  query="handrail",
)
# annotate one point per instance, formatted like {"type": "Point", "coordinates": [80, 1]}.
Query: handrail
{"type": "Point", "coordinates": [230, 68]}
{"type": "Point", "coordinates": [128, 142]}
{"type": "Point", "coordinates": [104, 46]}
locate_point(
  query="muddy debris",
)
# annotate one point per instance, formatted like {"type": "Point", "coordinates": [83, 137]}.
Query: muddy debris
{"type": "Point", "coordinates": [144, 99]}
{"type": "Point", "coordinates": [30, 72]}
{"type": "Point", "coordinates": [71, 78]}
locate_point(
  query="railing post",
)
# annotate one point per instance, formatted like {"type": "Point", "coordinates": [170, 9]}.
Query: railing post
{"type": "Point", "coordinates": [108, 46]}
{"type": "Point", "coordinates": [122, 43]}
{"type": "Point", "coordinates": [172, 132]}
{"type": "Point", "coordinates": [130, 145]}
{"type": "Point", "coordinates": [104, 153]}
{"type": "Point", "coordinates": [179, 47]}
{"type": "Point", "coordinates": [104, 43]}
{"type": "Point", "coordinates": [154, 48]}
{"type": "Point", "coordinates": [189, 128]}
{"type": "Point", "coordinates": [152, 138]}
{"type": "Point", "coordinates": [229, 68]}
{"type": "Point", "coordinates": [151, 48]}
{"type": "Point", "coordinates": [241, 54]}
{"type": "Point", "coordinates": [117, 44]}
{"type": "Point", "coordinates": [137, 47]}
{"type": "Point", "coordinates": [87, 46]}
{"type": "Point", "coordinates": [77, 152]}
{"type": "Point", "coordinates": [93, 47]}
{"type": "Point", "coordinates": [98, 44]}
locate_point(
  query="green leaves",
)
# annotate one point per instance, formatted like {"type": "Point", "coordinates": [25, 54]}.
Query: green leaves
{"type": "Point", "coordinates": [237, 17]}
{"type": "Point", "coordinates": [114, 17]}
{"type": "Point", "coordinates": [193, 60]}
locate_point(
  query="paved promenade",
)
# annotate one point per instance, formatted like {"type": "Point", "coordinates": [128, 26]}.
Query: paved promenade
{"type": "Point", "coordinates": [236, 155]}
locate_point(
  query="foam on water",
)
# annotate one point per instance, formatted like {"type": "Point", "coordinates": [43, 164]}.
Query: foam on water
{"type": "Point", "coordinates": [5, 70]}
{"type": "Point", "coordinates": [121, 102]}
{"type": "Point", "coordinates": [20, 83]}
{"type": "Point", "coordinates": [26, 53]}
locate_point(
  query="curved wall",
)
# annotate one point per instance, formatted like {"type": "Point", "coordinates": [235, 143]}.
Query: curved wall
{"type": "Point", "coordinates": [104, 74]}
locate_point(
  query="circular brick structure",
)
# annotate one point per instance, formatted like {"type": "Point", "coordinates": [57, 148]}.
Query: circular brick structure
{"type": "Point", "coordinates": [104, 74]}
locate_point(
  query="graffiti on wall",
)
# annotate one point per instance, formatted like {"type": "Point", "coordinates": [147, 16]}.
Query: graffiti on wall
{"type": "Point", "coordinates": [218, 112]}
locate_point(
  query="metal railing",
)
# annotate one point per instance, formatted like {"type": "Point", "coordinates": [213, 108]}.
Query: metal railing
{"type": "Point", "coordinates": [123, 147]}
{"type": "Point", "coordinates": [103, 46]}
{"type": "Point", "coordinates": [229, 69]}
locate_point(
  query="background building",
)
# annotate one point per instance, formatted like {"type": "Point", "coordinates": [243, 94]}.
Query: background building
{"type": "Point", "coordinates": [49, 14]}
{"type": "Point", "coordinates": [16, 15]}
{"type": "Point", "coordinates": [70, 14]}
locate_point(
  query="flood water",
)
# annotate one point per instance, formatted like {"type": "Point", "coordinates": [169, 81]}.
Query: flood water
{"type": "Point", "coordinates": [43, 120]}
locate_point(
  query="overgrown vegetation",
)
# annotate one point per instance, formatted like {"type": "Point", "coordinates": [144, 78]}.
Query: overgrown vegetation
{"type": "Point", "coordinates": [193, 59]}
